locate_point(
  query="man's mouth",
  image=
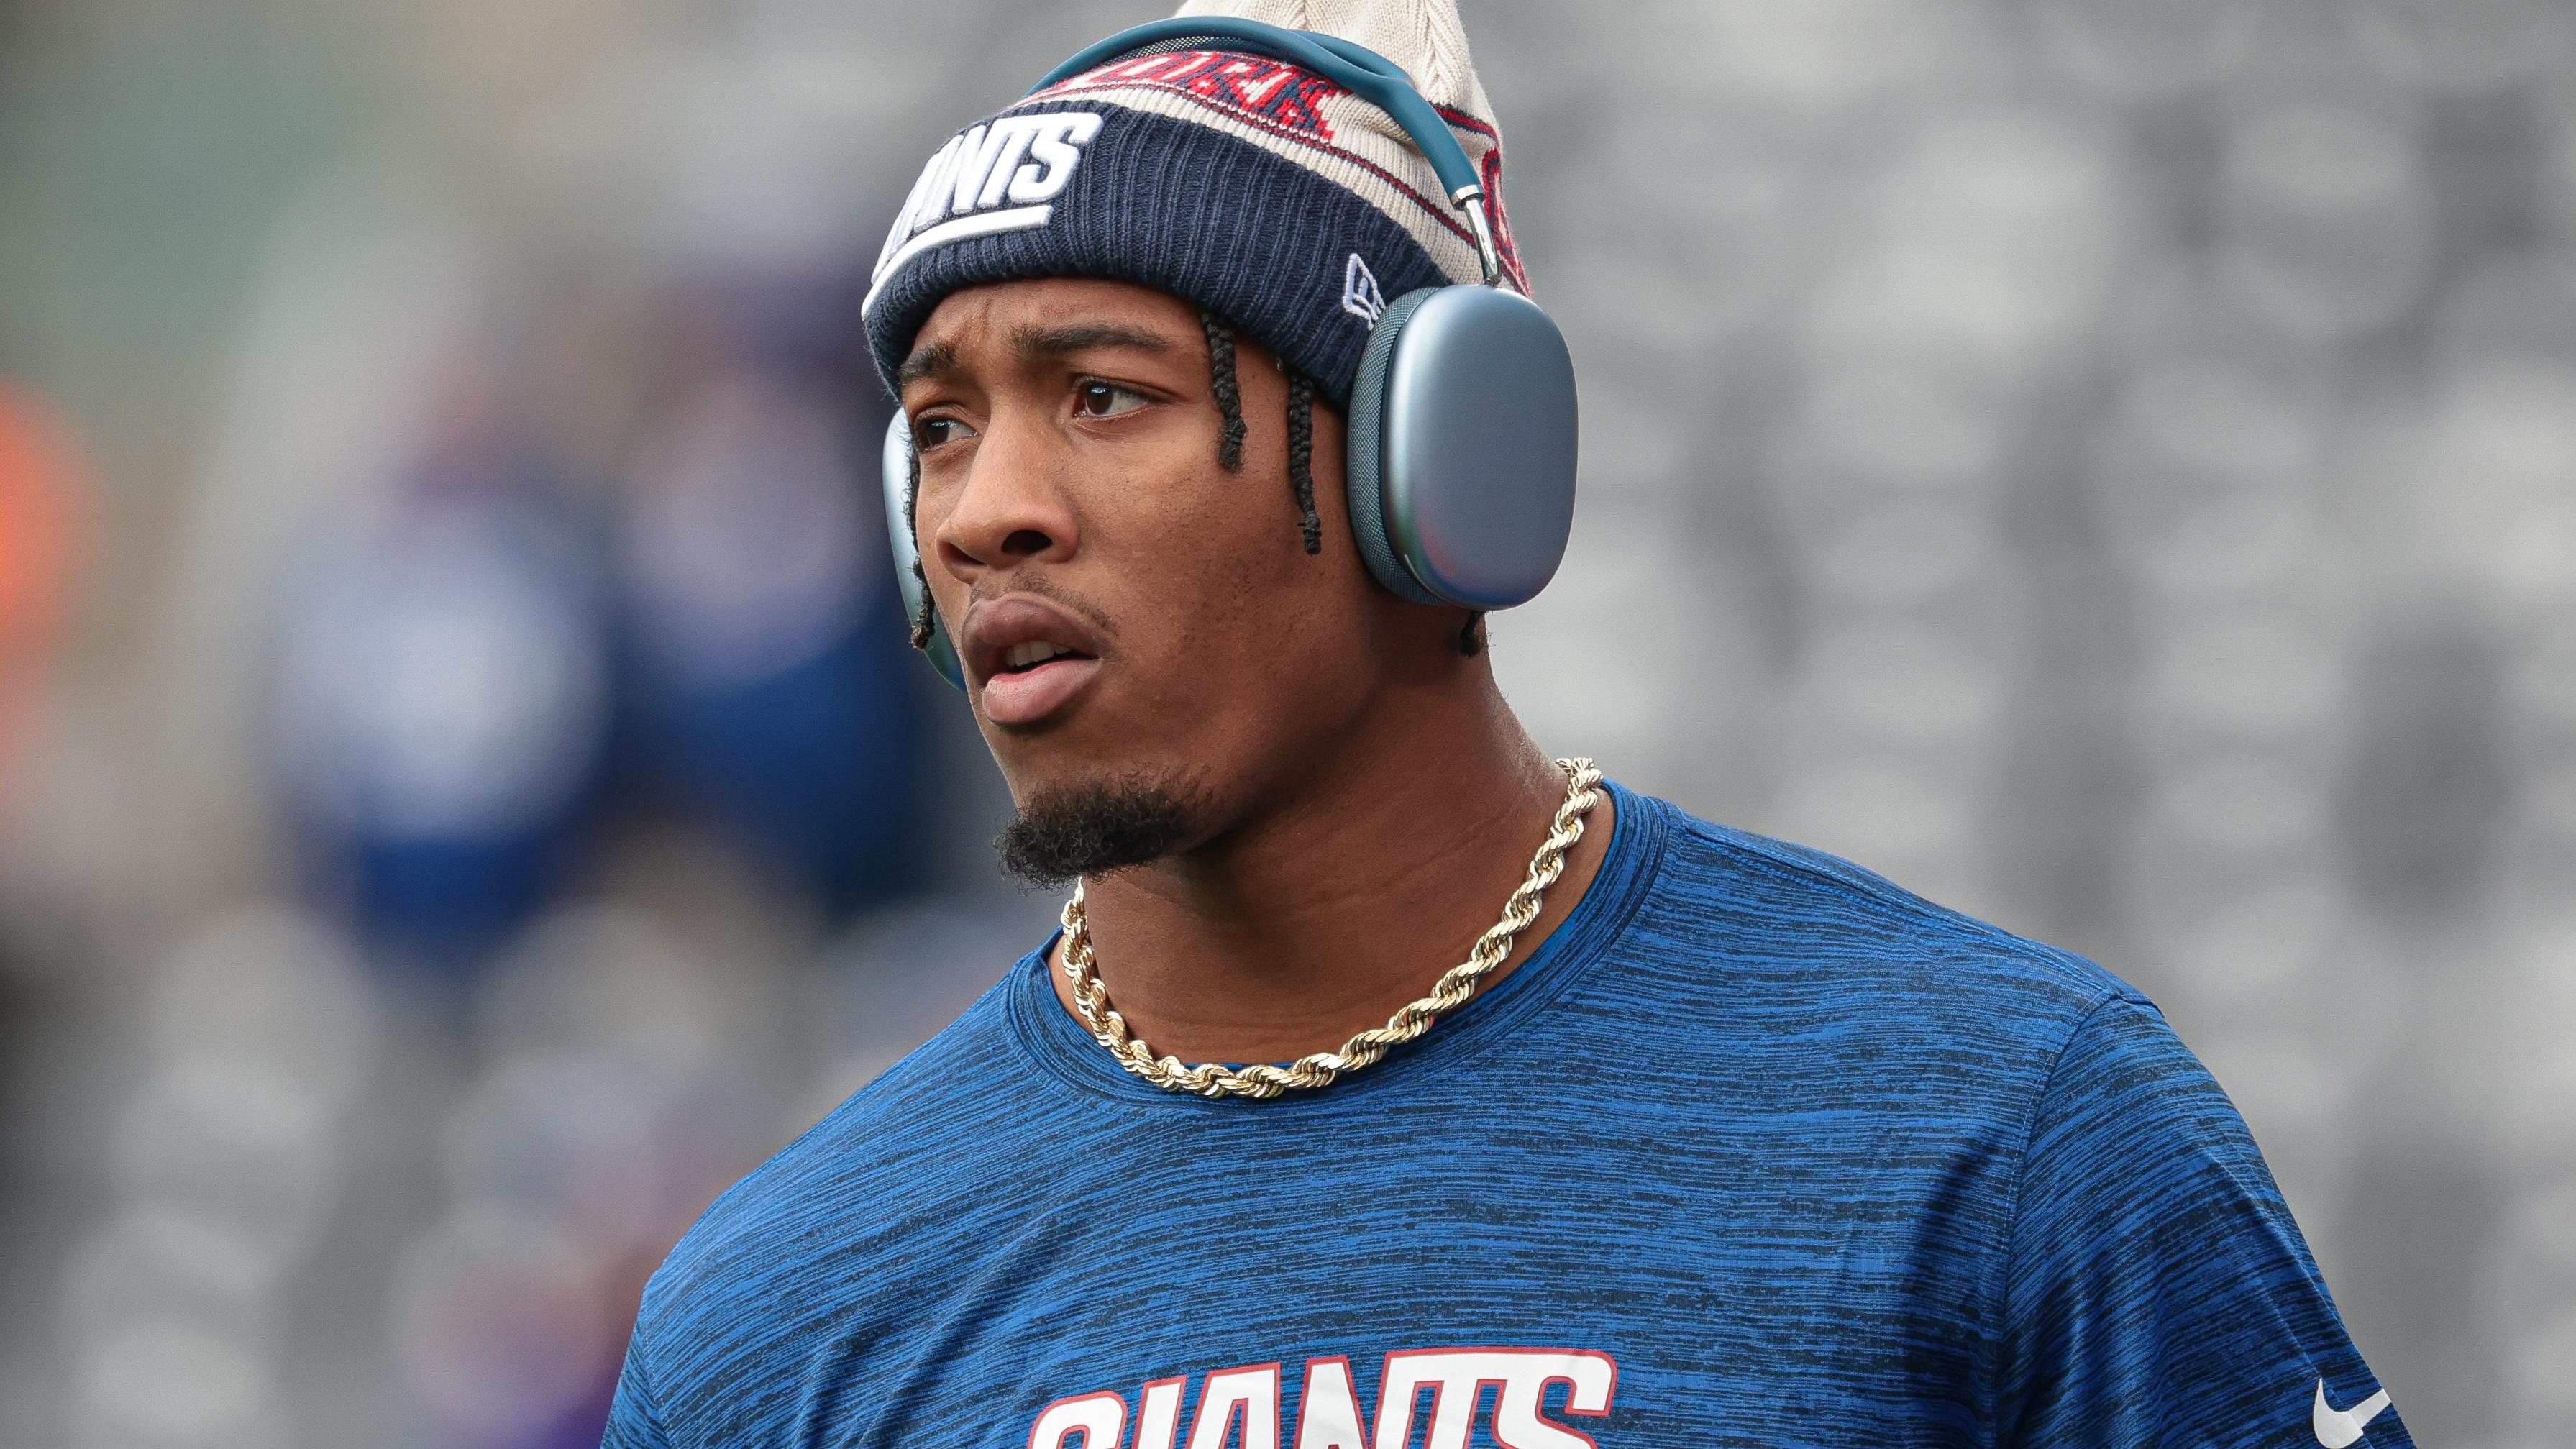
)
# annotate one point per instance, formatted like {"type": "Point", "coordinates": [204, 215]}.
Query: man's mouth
{"type": "Point", "coordinates": [1034, 681]}
{"type": "Point", "coordinates": [1028, 656]}
{"type": "Point", "coordinates": [1021, 658]}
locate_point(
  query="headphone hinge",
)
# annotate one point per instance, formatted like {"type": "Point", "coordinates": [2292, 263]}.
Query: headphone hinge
{"type": "Point", "coordinates": [1471, 200]}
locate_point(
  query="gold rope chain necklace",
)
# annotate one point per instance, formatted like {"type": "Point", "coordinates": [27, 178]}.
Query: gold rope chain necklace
{"type": "Point", "coordinates": [1319, 1069]}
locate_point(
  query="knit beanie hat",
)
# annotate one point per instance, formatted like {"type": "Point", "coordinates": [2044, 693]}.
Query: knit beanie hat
{"type": "Point", "coordinates": [1269, 196]}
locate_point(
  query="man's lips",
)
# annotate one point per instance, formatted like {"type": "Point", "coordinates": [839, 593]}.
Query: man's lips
{"type": "Point", "coordinates": [1028, 656]}
{"type": "Point", "coordinates": [1034, 693]}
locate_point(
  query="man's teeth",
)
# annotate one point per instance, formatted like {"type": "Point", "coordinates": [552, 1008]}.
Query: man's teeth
{"type": "Point", "coordinates": [1020, 656]}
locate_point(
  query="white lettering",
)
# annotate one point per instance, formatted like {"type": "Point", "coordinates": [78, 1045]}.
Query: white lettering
{"type": "Point", "coordinates": [1450, 1375]}
{"type": "Point", "coordinates": [1251, 1392]}
{"type": "Point", "coordinates": [1054, 151]}
{"type": "Point", "coordinates": [1013, 133]}
{"type": "Point", "coordinates": [922, 187]}
{"type": "Point", "coordinates": [1328, 1412]}
{"type": "Point", "coordinates": [1589, 1380]}
{"type": "Point", "coordinates": [1098, 1418]}
{"type": "Point", "coordinates": [982, 223]}
{"type": "Point", "coordinates": [974, 158]}
{"type": "Point", "coordinates": [1158, 1413]}
{"type": "Point", "coordinates": [955, 195]}
{"type": "Point", "coordinates": [1522, 1374]}
{"type": "Point", "coordinates": [934, 200]}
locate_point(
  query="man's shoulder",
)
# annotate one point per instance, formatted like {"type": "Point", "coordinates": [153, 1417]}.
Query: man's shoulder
{"type": "Point", "coordinates": [1812, 933]}
{"type": "Point", "coordinates": [852, 1178]}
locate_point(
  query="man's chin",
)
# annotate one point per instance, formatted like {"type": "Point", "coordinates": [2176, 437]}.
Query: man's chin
{"type": "Point", "coordinates": [1095, 826]}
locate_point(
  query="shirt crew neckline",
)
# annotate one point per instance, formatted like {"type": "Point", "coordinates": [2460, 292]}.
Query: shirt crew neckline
{"type": "Point", "coordinates": [1043, 1030]}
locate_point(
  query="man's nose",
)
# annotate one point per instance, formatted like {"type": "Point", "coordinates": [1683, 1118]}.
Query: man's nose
{"type": "Point", "coordinates": [1013, 507]}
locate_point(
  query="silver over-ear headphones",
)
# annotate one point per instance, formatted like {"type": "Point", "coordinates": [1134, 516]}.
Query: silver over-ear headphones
{"type": "Point", "coordinates": [1462, 422]}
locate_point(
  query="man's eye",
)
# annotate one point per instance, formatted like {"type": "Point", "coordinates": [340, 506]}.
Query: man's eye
{"type": "Point", "coordinates": [931, 432]}
{"type": "Point", "coordinates": [1105, 400]}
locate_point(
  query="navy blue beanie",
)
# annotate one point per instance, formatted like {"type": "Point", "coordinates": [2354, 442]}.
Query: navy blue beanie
{"type": "Point", "coordinates": [1264, 194]}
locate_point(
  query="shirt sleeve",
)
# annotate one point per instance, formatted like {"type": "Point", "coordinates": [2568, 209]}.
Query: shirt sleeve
{"type": "Point", "coordinates": [2156, 1291]}
{"type": "Point", "coordinates": [634, 1420]}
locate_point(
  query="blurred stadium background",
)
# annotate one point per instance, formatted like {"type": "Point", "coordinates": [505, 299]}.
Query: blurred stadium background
{"type": "Point", "coordinates": [2108, 464]}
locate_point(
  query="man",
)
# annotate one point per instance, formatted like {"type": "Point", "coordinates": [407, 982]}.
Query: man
{"type": "Point", "coordinates": [1707, 1139]}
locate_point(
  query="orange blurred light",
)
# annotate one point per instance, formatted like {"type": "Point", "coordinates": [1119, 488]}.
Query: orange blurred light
{"type": "Point", "coordinates": [43, 488]}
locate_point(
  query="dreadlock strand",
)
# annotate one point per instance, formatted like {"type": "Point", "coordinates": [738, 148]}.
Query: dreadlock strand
{"type": "Point", "coordinates": [1229, 396]}
{"type": "Point", "coordinates": [1301, 456]}
{"type": "Point", "coordinates": [1471, 638]}
{"type": "Point", "coordinates": [922, 620]}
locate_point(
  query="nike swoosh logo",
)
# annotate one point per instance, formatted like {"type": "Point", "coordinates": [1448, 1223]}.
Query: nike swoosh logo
{"type": "Point", "coordinates": [2338, 1427]}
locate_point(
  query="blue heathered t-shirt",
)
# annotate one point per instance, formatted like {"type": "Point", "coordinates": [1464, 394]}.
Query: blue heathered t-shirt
{"type": "Point", "coordinates": [1755, 1149]}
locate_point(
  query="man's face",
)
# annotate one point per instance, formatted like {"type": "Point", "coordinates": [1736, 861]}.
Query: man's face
{"type": "Point", "coordinates": [1131, 615]}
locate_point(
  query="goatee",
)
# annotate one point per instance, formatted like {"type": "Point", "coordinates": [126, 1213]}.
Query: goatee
{"type": "Point", "coordinates": [1094, 828]}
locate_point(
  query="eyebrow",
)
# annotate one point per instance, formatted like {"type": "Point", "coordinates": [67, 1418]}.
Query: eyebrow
{"type": "Point", "coordinates": [1058, 341]}
{"type": "Point", "coordinates": [936, 360]}
{"type": "Point", "coordinates": [939, 358]}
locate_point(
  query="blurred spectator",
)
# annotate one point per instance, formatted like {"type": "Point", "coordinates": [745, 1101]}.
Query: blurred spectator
{"type": "Point", "coordinates": [772, 682]}
{"type": "Point", "coordinates": [442, 699]}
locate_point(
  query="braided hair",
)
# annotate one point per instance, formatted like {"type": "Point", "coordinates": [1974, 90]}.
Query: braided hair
{"type": "Point", "coordinates": [1229, 395]}
{"type": "Point", "coordinates": [1301, 456]}
{"type": "Point", "coordinates": [922, 622]}
{"type": "Point", "coordinates": [1301, 424]}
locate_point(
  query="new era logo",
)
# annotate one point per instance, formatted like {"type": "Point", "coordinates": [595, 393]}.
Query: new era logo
{"type": "Point", "coordinates": [1360, 296]}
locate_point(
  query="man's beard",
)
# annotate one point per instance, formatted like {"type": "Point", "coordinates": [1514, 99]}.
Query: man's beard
{"type": "Point", "coordinates": [1097, 827]}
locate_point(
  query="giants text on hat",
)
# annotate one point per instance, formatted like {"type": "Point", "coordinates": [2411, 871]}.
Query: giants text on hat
{"type": "Point", "coordinates": [962, 191]}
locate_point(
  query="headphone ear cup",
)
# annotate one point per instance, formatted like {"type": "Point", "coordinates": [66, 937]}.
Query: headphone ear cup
{"type": "Point", "coordinates": [1462, 448]}
{"type": "Point", "coordinates": [1363, 468]}
{"type": "Point", "coordinates": [896, 468]}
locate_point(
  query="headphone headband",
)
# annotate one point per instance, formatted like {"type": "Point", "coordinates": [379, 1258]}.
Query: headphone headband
{"type": "Point", "coordinates": [1352, 66]}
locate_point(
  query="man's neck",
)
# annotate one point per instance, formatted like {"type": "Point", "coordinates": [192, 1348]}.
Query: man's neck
{"type": "Point", "coordinates": [1351, 898]}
